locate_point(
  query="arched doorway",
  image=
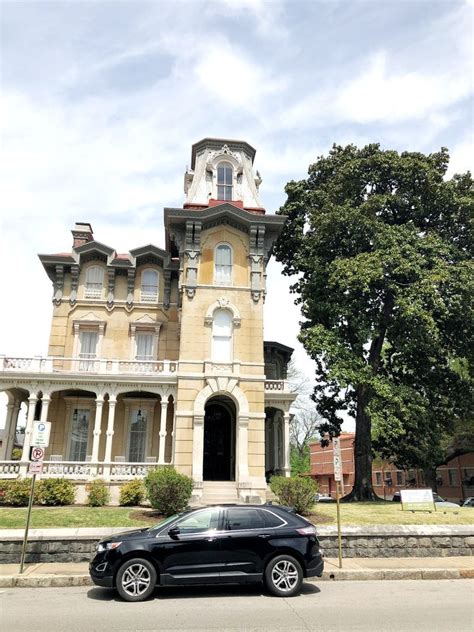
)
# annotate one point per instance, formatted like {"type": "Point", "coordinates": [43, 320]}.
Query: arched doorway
{"type": "Point", "coordinates": [219, 440]}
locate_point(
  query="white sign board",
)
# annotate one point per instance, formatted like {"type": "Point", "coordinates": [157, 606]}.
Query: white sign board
{"type": "Point", "coordinates": [417, 499]}
{"type": "Point", "coordinates": [35, 467]}
{"type": "Point", "coordinates": [336, 447]}
{"type": "Point", "coordinates": [41, 432]}
{"type": "Point", "coordinates": [37, 454]}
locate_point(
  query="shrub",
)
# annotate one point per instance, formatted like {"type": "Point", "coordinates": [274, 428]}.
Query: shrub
{"type": "Point", "coordinates": [297, 492]}
{"type": "Point", "coordinates": [56, 491]}
{"type": "Point", "coordinates": [168, 491]}
{"type": "Point", "coordinates": [17, 492]}
{"type": "Point", "coordinates": [16, 454]}
{"type": "Point", "coordinates": [132, 493]}
{"type": "Point", "coordinates": [98, 493]}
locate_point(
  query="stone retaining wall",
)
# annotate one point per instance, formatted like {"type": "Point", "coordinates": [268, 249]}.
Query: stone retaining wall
{"type": "Point", "coordinates": [78, 545]}
{"type": "Point", "coordinates": [399, 541]}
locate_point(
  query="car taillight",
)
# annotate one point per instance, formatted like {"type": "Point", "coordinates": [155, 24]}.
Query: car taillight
{"type": "Point", "coordinates": [307, 531]}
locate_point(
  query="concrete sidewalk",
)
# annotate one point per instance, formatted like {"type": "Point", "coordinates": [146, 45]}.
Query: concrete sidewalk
{"type": "Point", "coordinates": [76, 574]}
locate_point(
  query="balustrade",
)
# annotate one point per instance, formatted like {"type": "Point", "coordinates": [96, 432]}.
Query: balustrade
{"type": "Point", "coordinates": [87, 365]}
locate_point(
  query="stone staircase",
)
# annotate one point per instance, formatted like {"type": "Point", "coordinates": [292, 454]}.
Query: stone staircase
{"type": "Point", "coordinates": [219, 492]}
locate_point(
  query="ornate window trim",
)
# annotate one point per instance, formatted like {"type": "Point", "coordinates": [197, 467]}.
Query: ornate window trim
{"type": "Point", "coordinates": [223, 303]}
{"type": "Point", "coordinates": [144, 325]}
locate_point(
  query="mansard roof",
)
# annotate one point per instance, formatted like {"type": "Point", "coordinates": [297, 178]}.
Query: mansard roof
{"type": "Point", "coordinates": [222, 211]}
{"type": "Point", "coordinates": [217, 143]}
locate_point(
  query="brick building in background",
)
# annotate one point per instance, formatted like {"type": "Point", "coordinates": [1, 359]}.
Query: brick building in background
{"type": "Point", "coordinates": [455, 479]}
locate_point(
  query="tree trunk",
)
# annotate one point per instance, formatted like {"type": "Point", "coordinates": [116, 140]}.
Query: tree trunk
{"type": "Point", "coordinates": [430, 478]}
{"type": "Point", "coordinates": [362, 489]}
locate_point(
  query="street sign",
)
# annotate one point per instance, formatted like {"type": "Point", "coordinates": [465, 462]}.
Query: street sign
{"type": "Point", "coordinates": [41, 432]}
{"type": "Point", "coordinates": [35, 467]}
{"type": "Point", "coordinates": [336, 448]}
{"type": "Point", "coordinates": [37, 454]}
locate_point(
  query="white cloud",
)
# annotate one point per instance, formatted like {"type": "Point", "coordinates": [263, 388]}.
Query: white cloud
{"type": "Point", "coordinates": [462, 157]}
{"type": "Point", "coordinates": [229, 76]}
{"type": "Point", "coordinates": [381, 94]}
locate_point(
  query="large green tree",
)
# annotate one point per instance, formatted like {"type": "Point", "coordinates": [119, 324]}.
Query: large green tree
{"type": "Point", "coordinates": [381, 248]}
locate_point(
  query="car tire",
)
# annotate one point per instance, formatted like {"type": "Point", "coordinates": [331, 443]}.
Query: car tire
{"type": "Point", "coordinates": [284, 576]}
{"type": "Point", "coordinates": [136, 579]}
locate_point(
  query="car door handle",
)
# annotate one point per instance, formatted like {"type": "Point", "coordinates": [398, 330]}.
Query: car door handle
{"type": "Point", "coordinates": [211, 539]}
{"type": "Point", "coordinates": [264, 536]}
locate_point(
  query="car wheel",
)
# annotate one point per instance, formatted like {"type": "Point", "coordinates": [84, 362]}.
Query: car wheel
{"type": "Point", "coordinates": [136, 579]}
{"type": "Point", "coordinates": [284, 576]}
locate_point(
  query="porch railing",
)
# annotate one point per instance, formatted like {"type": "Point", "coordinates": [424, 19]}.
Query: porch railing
{"type": "Point", "coordinates": [78, 470]}
{"type": "Point", "coordinates": [277, 385]}
{"type": "Point", "coordinates": [99, 366]}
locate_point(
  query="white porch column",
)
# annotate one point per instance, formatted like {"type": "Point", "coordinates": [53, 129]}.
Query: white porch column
{"type": "Point", "coordinates": [4, 449]}
{"type": "Point", "coordinates": [276, 447]}
{"type": "Point", "coordinates": [32, 399]}
{"type": "Point", "coordinates": [11, 436]}
{"type": "Point", "coordinates": [109, 435]}
{"type": "Point", "coordinates": [173, 434]}
{"type": "Point", "coordinates": [45, 400]}
{"type": "Point", "coordinates": [162, 445]}
{"type": "Point", "coordinates": [99, 403]}
{"type": "Point", "coordinates": [286, 445]}
{"type": "Point", "coordinates": [198, 447]}
{"type": "Point", "coordinates": [243, 449]}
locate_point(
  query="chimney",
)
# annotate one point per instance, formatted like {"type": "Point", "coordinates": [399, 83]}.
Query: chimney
{"type": "Point", "coordinates": [82, 233]}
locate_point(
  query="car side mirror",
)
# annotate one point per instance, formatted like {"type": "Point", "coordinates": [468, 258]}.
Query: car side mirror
{"type": "Point", "coordinates": [174, 533]}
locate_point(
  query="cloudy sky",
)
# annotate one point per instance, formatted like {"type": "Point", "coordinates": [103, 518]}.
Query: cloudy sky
{"type": "Point", "coordinates": [102, 100]}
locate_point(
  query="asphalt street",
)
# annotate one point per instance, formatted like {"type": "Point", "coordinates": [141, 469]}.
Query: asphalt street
{"type": "Point", "coordinates": [346, 606]}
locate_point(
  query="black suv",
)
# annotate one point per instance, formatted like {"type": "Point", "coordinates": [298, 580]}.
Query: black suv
{"type": "Point", "coordinates": [212, 545]}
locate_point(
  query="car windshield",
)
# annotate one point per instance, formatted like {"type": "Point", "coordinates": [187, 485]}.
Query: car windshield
{"type": "Point", "coordinates": [163, 523]}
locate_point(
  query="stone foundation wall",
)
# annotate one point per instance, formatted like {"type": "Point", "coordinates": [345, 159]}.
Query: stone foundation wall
{"type": "Point", "coordinates": [70, 545]}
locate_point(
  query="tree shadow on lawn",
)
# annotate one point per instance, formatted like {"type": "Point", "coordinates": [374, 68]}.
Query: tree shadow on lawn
{"type": "Point", "coordinates": [201, 592]}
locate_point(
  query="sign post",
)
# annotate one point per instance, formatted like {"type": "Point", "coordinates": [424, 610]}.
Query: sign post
{"type": "Point", "coordinates": [336, 447]}
{"type": "Point", "coordinates": [40, 440]}
{"type": "Point", "coordinates": [25, 539]}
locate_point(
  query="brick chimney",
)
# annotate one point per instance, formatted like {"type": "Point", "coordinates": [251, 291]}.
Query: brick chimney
{"type": "Point", "coordinates": [82, 234]}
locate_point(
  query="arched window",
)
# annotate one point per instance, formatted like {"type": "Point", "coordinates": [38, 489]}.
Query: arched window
{"type": "Point", "coordinates": [224, 181]}
{"type": "Point", "coordinates": [223, 264]}
{"type": "Point", "coordinates": [149, 287]}
{"type": "Point", "coordinates": [222, 336]}
{"type": "Point", "coordinates": [94, 282]}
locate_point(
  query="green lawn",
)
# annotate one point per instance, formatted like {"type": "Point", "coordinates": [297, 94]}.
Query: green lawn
{"type": "Point", "coordinates": [57, 517]}
{"type": "Point", "coordinates": [388, 513]}
{"type": "Point", "coordinates": [323, 514]}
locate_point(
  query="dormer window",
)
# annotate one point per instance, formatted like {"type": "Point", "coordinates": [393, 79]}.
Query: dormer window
{"type": "Point", "coordinates": [225, 174]}
{"type": "Point", "coordinates": [94, 282]}
{"type": "Point", "coordinates": [149, 286]}
{"type": "Point", "coordinates": [223, 264]}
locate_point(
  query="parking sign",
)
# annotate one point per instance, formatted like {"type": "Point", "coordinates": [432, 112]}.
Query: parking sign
{"type": "Point", "coordinates": [41, 432]}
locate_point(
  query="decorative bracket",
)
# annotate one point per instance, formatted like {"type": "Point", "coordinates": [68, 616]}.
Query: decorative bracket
{"type": "Point", "coordinates": [58, 284]}
{"type": "Point", "coordinates": [74, 284]}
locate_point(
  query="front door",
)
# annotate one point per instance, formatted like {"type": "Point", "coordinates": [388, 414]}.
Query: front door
{"type": "Point", "coordinates": [218, 433]}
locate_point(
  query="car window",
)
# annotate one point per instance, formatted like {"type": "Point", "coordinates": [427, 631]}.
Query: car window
{"type": "Point", "coordinates": [271, 520]}
{"type": "Point", "coordinates": [238, 519]}
{"type": "Point", "coordinates": [200, 521]}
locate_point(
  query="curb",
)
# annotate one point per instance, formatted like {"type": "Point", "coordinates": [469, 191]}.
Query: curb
{"type": "Point", "coordinates": [64, 581]}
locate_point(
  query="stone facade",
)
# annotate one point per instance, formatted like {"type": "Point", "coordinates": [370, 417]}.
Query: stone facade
{"type": "Point", "coordinates": [156, 356]}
